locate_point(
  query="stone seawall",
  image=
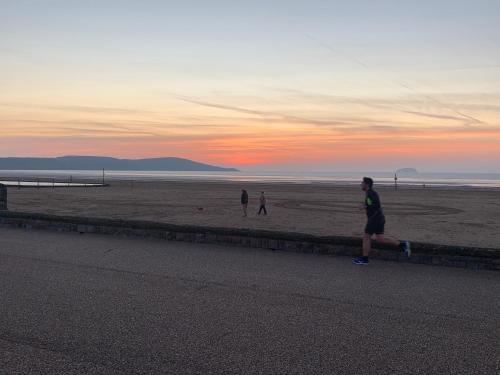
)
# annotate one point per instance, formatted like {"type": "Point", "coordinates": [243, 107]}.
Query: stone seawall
{"type": "Point", "coordinates": [424, 253]}
{"type": "Point", "coordinates": [3, 197]}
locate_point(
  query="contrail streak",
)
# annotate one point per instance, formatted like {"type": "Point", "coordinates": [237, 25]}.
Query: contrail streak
{"type": "Point", "coordinates": [470, 119]}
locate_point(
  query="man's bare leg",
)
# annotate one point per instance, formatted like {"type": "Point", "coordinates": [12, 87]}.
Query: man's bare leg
{"type": "Point", "coordinates": [402, 245]}
{"type": "Point", "coordinates": [386, 240]}
{"type": "Point", "coordinates": [367, 244]}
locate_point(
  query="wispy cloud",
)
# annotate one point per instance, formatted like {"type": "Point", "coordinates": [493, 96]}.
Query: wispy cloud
{"type": "Point", "coordinates": [267, 114]}
{"type": "Point", "coordinates": [401, 105]}
{"type": "Point", "coordinates": [87, 128]}
{"type": "Point", "coordinates": [78, 108]}
{"type": "Point", "coordinates": [348, 122]}
{"type": "Point", "coordinates": [432, 115]}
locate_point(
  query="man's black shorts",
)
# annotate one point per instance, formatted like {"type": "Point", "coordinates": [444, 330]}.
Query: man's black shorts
{"type": "Point", "coordinates": [375, 224]}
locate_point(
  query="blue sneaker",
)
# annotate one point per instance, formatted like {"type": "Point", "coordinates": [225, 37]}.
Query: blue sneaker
{"type": "Point", "coordinates": [406, 248]}
{"type": "Point", "coordinates": [361, 261]}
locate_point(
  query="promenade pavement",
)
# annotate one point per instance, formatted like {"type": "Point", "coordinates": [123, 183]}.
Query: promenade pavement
{"type": "Point", "coordinates": [95, 304]}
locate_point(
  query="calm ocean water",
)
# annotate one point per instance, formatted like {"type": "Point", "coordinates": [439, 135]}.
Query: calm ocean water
{"type": "Point", "coordinates": [485, 180]}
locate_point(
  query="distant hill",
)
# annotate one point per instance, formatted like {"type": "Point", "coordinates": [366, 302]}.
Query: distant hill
{"type": "Point", "coordinates": [98, 163]}
{"type": "Point", "coordinates": [407, 171]}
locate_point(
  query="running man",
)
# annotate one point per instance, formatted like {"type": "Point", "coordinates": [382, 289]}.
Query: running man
{"type": "Point", "coordinates": [375, 224]}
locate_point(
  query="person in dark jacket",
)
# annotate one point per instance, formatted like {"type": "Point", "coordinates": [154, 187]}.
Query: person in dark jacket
{"type": "Point", "coordinates": [375, 224]}
{"type": "Point", "coordinates": [244, 201]}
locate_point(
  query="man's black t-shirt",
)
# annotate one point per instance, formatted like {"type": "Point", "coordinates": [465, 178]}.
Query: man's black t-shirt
{"type": "Point", "coordinates": [372, 203]}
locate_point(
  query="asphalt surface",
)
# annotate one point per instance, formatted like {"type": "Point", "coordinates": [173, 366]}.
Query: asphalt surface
{"type": "Point", "coordinates": [92, 304]}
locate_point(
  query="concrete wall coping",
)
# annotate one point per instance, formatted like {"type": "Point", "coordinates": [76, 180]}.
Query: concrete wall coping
{"type": "Point", "coordinates": [417, 247]}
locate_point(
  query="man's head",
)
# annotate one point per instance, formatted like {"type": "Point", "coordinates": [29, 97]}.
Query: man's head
{"type": "Point", "coordinates": [366, 184]}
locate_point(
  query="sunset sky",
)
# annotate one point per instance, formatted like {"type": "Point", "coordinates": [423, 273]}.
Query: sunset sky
{"type": "Point", "coordinates": [310, 85]}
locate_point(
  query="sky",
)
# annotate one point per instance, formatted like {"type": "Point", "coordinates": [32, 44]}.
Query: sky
{"type": "Point", "coordinates": [258, 85]}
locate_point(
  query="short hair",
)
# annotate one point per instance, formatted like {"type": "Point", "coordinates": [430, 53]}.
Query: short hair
{"type": "Point", "coordinates": [368, 181]}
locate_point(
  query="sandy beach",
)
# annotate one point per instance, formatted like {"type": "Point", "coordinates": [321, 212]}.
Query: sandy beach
{"type": "Point", "coordinates": [469, 217]}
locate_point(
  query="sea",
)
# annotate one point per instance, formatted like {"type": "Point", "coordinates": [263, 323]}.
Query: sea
{"type": "Point", "coordinates": [77, 178]}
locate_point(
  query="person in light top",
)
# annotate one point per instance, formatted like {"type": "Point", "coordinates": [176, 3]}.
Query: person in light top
{"type": "Point", "coordinates": [262, 201]}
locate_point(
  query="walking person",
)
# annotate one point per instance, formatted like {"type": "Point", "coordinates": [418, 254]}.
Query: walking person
{"type": "Point", "coordinates": [375, 224]}
{"type": "Point", "coordinates": [262, 201]}
{"type": "Point", "coordinates": [244, 202]}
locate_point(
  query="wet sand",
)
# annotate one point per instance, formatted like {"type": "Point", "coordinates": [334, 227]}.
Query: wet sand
{"type": "Point", "coordinates": [469, 217]}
